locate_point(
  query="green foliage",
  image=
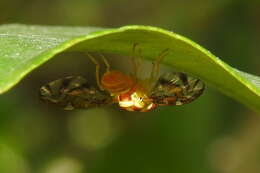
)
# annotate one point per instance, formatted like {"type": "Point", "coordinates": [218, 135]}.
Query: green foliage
{"type": "Point", "coordinates": [24, 48]}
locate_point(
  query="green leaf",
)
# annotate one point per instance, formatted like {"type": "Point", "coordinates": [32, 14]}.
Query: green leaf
{"type": "Point", "coordinates": [24, 48]}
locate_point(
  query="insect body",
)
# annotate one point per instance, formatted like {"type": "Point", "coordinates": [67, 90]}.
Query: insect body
{"type": "Point", "coordinates": [130, 92]}
{"type": "Point", "coordinates": [176, 89]}
{"type": "Point", "coordinates": [73, 92]}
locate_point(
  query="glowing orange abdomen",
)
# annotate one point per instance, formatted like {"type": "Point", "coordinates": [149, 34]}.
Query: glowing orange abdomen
{"type": "Point", "coordinates": [117, 82]}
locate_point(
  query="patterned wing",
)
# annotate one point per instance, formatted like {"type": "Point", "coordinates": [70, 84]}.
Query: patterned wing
{"type": "Point", "coordinates": [176, 89]}
{"type": "Point", "coordinates": [73, 92]}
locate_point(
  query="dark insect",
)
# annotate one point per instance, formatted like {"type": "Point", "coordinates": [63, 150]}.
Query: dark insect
{"type": "Point", "coordinates": [73, 92]}
{"type": "Point", "coordinates": [176, 89]}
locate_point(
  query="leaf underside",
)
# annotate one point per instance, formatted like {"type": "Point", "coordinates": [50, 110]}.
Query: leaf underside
{"type": "Point", "coordinates": [26, 47]}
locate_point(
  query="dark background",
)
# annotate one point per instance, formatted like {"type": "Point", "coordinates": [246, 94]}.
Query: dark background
{"type": "Point", "coordinates": [212, 134]}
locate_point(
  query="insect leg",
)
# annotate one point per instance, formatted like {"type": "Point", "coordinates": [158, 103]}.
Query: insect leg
{"type": "Point", "coordinates": [134, 62]}
{"type": "Point", "coordinates": [106, 62]}
{"type": "Point", "coordinates": [97, 70]}
{"type": "Point", "coordinates": [138, 60]}
{"type": "Point", "coordinates": [156, 64]}
{"type": "Point", "coordinates": [158, 61]}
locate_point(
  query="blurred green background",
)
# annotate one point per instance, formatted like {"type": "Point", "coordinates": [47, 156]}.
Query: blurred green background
{"type": "Point", "coordinates": [214, 134]}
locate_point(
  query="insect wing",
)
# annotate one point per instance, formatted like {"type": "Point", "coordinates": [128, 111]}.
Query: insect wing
{"type": "Point", "coordinates": [176, 89]}
{"type": "Point", "coordinates": [73, 92]}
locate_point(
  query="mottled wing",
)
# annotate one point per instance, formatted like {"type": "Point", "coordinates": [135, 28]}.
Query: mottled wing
{"type": "Point", "coordinates": [73, 92]}
{"type": "Point", "coordinates": [176, 89]}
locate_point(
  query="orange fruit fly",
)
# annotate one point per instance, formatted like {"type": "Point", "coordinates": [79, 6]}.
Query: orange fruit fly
{"type": "Point", "coordinates": [130, 92]}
